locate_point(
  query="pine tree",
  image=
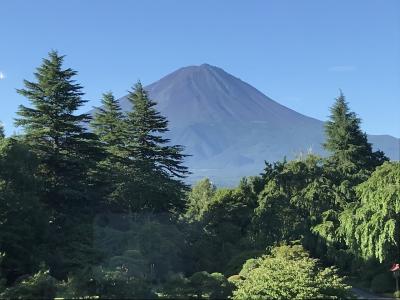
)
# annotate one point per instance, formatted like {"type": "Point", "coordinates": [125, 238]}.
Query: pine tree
{"type": "Point", "coordinates": [55, 133]}
{"type": "Point", "coordinates": [67, 155]}
{"type": "Point", "coordinates": [159, 164]}
{"type": "Point", "coordinates": [1, 131]}
{"type": "Point", "coordinates": [350, 151]}
{"type": "Point", "coordinates": [109, 125]}
{"type": "Point", "coordinates": [146, 126]}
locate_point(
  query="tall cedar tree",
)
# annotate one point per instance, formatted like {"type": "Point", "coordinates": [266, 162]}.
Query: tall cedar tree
{"type": "Point", "coordinates": [58, 136]}
{"type": "Point", "coordinates": [67, 154]}
{"type": "Point", "coordinates": [351, 154]}
{"type": "Point", "coordinates": [1, 131]}
{"type": "Point", "coordinates": [109, 125]}
{"type": "Point", "coordinates": [160, 164]}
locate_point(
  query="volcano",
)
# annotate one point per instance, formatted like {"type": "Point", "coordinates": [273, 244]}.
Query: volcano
{"type": "Point", "coordinates": [230, 128]}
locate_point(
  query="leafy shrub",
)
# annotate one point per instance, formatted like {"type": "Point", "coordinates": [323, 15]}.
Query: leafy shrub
{"type": "Point", "coordinates": [106, 283]}
{"type": "Point", "coordinates": [289, 273]}
{"type": "Point", "coordinates": [40, 285]}
{"type": "Point", "coordinates": [213, 286]}
{"type": "Point", "coordinates": [382, 283]}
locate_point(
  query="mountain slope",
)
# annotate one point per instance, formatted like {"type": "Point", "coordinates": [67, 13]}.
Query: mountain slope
{"type": "Point", "coordinates": [230, 128]}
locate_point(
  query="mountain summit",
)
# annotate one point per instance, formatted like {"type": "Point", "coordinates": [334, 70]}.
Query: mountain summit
{"type": "Point", "coordinates": [230, 128]}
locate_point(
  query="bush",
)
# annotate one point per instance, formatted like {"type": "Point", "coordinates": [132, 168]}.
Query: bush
{"type": "Point", "coordinates": [396, 294]}
{"type": "Point", "coordinates": [383, 283]}
{"type": "Point", "coordinates": [212, 286]}
{"type": "Point", "coordinates": [106, 283]}
{"type": "Point", "coordinates": [289, 273]}
{"type": "Point", "coordinates": [40, 285]}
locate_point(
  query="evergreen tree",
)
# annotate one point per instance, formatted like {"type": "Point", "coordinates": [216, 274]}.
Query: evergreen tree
{"type": "Point", "coordinates": [146, 125]}
{"type": "Point", "coordinates": [350, 151]}
{"type": "Point", "coordinates": [67, 155]}
{"type": "Point", "coordinates": [55, 133]}
{"type": "Point", "coordinates": [158, 163]}
{"type": "Point", "coordinates": [109, 125]}
{"type": "Point", "coordinates": [2, 135]}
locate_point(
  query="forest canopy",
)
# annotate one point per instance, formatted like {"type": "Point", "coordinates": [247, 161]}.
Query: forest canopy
{"type": "Point", "coordinates": [96, 205]}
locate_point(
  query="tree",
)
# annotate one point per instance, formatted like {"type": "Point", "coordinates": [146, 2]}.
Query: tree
{"type": "Point", "coordinates": [159, 164]}
{"type": "Point", "coordinates": [289, 273]}
{"type": "Point", "coordinates": [23, 227]}
{"type": "Point", "coordinates": [372, 227]}
{"type": "Point", "coordinates": [108, 124]}
{"type": "Point", "coordinates": [115, 169]}
{"type": "Point", "coordinates": [198, 198]}
{"type": "Point", "coordinates": [218, 226]}
{"type": "Point", "coordinates": [351, 154]}
{"type": "Point", "coordinates": [210, 286]}
{"type": "Point", "coordinates": [67, 155]}
{"type": "Point", "coordinates": [295, 196]}
{"type": "Point", "coordinates": [1, 131]}
{"type": "Point", "coordinates": [146, 124]}
{"type": "Point", "coordinates": [64, 146]}
{"type": "Point", "coordinates": [105, 283]}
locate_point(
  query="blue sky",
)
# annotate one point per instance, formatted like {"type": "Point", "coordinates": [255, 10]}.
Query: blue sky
{"type": "Point", "coordinates": [297, 52]}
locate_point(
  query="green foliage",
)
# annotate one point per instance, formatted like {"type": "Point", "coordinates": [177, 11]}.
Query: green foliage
{"type": "Point", "coordinates": [158, 165]}
{"type": "Point", "coordinates": [295, 198]}
{"type": "Point", "coordinates": [40, 285]}
{"type": "Point", "coordinates": [67, 155]}
{"type": "Point", "coordinates": [148, 247]}
{"type": "Point", "coordinates": [383, 283]}
{"type": "Point", "coordinates": [201, 285]}
{"type": "Point", "coordinates": [289, 273]}
{"type": "Point", "coordinates": [116, 173]}
{"type": "Point", "coordinates": [105, 283]}
{"type": "Point", "coordinates": [176, 286]}
{"type": "Point", "coordinates": [372, 227]}
{"type": "Point", "coordinates": [108, 123]}
{"type": "Point", "coordinates": [210, 286]}
{"type": "Point", "coordinates": [22, 220]}
{"type": "Point", "coordinates": [1, 131]}
{"type": "Point", "coordinates": [55, 134]}
{"type": "Point", "coordinates": [220, 232]}
{"type": "Point", "coordinates": [146, 126]}
{"type": "Point", "coordinates": [198, 198]}
{"type": "Point", "coordinates": [110, 215]}
{"type": "Point", "coordinates": [351, 154]}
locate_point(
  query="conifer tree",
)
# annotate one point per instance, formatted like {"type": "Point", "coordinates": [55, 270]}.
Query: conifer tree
{"type": "Point", "coordinates": [109, 125]}
{"type": "Point", "coordinates": [67, 155]}
{"type": "Point", "coordinates": [160, 164]}
{"type": "Point", "coordinates": [55, 133]}
{"type": "Point", "coordinates": [350, 151]}
{"type": "Point", "coordinates": [1, 131]}
{"type": "Point", "coordinates": [147, 125]}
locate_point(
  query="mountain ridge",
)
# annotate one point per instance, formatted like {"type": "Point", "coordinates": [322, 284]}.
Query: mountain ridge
{"type": "Point", "coordinates": [230, 128]}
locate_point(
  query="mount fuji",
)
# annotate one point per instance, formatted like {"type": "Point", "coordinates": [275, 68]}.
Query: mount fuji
{"type": "Point", "coordinates": [230, 128]}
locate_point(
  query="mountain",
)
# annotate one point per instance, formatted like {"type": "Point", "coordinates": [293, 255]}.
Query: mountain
{"type": "Point", "coordinates": [230, 128]}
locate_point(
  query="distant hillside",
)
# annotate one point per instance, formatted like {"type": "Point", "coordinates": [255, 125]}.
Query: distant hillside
{"type": "Point", "coordinates": [230, 128]}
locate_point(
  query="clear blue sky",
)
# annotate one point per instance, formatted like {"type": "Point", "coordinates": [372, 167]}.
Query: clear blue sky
{"type": "Point", "coordinates": [296, 52]}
